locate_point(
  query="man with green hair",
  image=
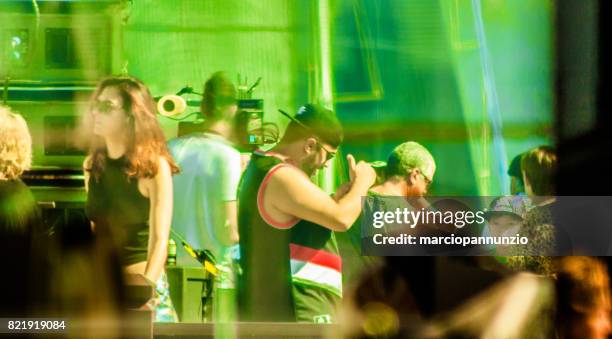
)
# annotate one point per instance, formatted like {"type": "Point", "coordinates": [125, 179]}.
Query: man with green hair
{"type": "Point", "coordinates": [409, 172]}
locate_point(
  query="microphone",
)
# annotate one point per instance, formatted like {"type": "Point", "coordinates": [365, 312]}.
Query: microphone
{"type": "Point", "coordinates": [185, 90]}
{"type": "Point", "coordinates": [250, 90]}
{"type": "Point", "coordinates": [378, 164]}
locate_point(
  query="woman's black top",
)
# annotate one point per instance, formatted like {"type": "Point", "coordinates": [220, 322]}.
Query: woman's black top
{"type": "Point", "coordinates": [119, 210]}
{"type": "Point", "coordinates": [22, 246]}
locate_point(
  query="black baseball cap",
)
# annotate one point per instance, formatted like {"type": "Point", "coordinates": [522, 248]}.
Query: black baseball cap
{"type": "Point", "coordinates": [322, 122]}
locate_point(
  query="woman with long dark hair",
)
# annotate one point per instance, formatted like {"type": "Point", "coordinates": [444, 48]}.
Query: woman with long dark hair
{"type": "Point", "coordinates": [128, 175]}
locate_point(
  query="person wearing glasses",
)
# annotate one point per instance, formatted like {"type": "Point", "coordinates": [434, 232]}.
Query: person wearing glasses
{"type": "Point", "coordinates": [128, 177]}
{"type": "Point", "coordinates": [409, 172]}
{"type": "Point", "coordinates": [291, 267]}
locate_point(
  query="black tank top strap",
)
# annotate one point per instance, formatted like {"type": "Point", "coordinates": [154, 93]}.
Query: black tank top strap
{"type": "Point", "coordinates": [275, 258]}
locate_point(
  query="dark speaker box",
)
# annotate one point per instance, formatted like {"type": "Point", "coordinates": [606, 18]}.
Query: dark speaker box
{"type": "Point", "coordinates": [191, 293]}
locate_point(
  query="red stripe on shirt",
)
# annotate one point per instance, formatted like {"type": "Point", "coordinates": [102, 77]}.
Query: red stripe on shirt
{"type": "Point", "coordinates": [319, 257]}
{"type": "Point", "coordinates": [264, 215]}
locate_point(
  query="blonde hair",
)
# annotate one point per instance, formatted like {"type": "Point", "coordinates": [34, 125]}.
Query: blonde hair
{"type": "Point", "coordinates": [15, 144]}
{"type": "Point", "coordinates": [408, 156]}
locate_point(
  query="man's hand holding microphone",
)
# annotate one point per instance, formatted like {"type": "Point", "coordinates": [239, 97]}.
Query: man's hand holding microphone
{"type": "Point", "coordinates": [362, 176]}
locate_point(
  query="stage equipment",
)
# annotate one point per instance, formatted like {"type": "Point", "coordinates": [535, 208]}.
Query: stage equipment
{"type": "Point", "coordinates": [171, 105]}
{"type": "Point", "coordinates": [191, 288]}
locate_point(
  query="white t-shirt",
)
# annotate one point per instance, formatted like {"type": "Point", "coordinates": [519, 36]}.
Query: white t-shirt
{"type": "Point", "coordinates": [210, 172]}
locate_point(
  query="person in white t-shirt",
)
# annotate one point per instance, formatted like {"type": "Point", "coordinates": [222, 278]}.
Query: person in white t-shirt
{"type": "Point", "coordinates": [205, 190]}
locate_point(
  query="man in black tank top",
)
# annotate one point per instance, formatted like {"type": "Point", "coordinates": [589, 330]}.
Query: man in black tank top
{"type": "Point", "coordinates": [291, 268]}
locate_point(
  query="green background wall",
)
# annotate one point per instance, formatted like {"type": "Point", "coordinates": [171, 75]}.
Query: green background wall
{"type": "Point", "coordinates": [402, 70]}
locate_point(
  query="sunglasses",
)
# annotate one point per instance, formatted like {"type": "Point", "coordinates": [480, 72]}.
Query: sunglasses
{"type": "Point", "coordinates": [427, 180]}
{"type": "Point", "coordinates": [329, 154]}
{"type": "Point", "coordinates": [104, 107]}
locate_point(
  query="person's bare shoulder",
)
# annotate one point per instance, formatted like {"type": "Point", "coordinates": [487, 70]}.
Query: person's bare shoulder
{"type": "Point", "coordinates": [163, 167]}
{"type": "Point", "coordinates": [87, 162]}
{"type": "Point", "coordinates": [289, 179]}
